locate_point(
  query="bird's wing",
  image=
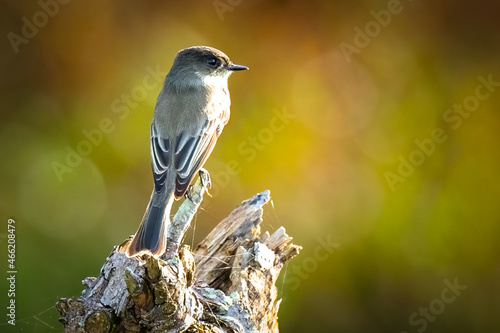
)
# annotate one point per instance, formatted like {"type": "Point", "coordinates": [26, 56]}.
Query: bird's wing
{"type": "Point", "coordinates": [191, 152]}
{"type": "Point", "coordinates": [161, 158]}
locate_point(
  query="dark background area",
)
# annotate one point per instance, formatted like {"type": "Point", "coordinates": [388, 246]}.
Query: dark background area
{"type": "Point", "coordinates": [353, 124]}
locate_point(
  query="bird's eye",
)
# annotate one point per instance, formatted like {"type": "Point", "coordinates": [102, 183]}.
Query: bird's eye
{"type": "Point", "coordinates": [213, 62]}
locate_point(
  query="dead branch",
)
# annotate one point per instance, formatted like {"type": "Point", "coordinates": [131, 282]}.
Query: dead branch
{"type": "Point", "coordinates": [227, 285]}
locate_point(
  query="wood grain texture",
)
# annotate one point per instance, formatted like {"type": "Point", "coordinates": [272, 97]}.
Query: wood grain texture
{"type": "Point", "coordinates": [227, 284]}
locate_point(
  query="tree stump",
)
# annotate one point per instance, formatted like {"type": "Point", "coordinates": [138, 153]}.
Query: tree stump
{"type": "Point", "coordinates": [227, 284]}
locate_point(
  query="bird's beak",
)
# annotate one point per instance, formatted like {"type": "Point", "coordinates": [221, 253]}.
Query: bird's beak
{"type": "Point", "coordinates": [234, 67]}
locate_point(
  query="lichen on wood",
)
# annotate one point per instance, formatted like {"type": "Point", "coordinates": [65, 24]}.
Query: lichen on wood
{"type": "Point", "coordinates": [227, 284]}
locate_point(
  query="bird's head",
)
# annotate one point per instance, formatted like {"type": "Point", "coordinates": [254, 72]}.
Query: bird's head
{"type": "Point", "coordinates": [201, 65]}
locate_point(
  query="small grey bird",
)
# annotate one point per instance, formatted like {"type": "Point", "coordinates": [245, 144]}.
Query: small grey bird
{"type": "Point", "coordinates": [190, 113]}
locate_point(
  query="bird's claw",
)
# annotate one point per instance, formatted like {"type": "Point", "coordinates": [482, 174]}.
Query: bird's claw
{"type": "Point", "coordinates": [206, 181]}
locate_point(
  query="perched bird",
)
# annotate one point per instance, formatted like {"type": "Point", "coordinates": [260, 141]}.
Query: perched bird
{"type": "Point", "coordinates": [190, 113]}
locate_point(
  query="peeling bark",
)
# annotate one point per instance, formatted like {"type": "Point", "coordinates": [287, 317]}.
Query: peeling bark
{"type": "Point", "coordinates": [227, 284]}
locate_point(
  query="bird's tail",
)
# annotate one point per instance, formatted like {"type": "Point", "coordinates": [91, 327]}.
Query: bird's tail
{"type": "Point", "coordinates": [152, 233]}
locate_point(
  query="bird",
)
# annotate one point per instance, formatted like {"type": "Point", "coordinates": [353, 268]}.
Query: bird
{"type": "Point", "coordinates": [191, 111]}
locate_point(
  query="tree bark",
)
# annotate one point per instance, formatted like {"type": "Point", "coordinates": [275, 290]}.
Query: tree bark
{"type": "Point", "coordinates": [227, 284]}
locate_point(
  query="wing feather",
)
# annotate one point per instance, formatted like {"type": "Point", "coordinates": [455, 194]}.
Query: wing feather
{"type": "Point", "coordinates": [160, 158]}
{"type": "Point", "coordinates": [186, 155]}
{"type": "Point", "coordinates": [193, 154]}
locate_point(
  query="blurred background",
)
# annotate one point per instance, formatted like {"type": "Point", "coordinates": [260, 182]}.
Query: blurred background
{"type": "Point", "coordinates": [374, 124]}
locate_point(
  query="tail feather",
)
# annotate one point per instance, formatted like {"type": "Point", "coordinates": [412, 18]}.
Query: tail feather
{"type": "Point", "coordinates": [151, 235]}
{"type": "Point", "coordinates": [152, 232]}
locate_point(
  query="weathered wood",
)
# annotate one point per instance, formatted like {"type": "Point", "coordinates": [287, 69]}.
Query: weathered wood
{"type": "Point", "coordinates": [227, 285]}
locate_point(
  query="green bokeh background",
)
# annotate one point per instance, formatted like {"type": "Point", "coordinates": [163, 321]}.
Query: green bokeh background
{"type": "Point", "coordinates": [351, 120]}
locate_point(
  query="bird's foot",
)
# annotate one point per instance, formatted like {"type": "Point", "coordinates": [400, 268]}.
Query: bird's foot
{"type": "Point", "coordinates": [206, 181]}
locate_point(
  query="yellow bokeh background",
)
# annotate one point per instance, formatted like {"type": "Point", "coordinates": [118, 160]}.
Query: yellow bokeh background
{"type": "Point", "coordinates": [338, 124]}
